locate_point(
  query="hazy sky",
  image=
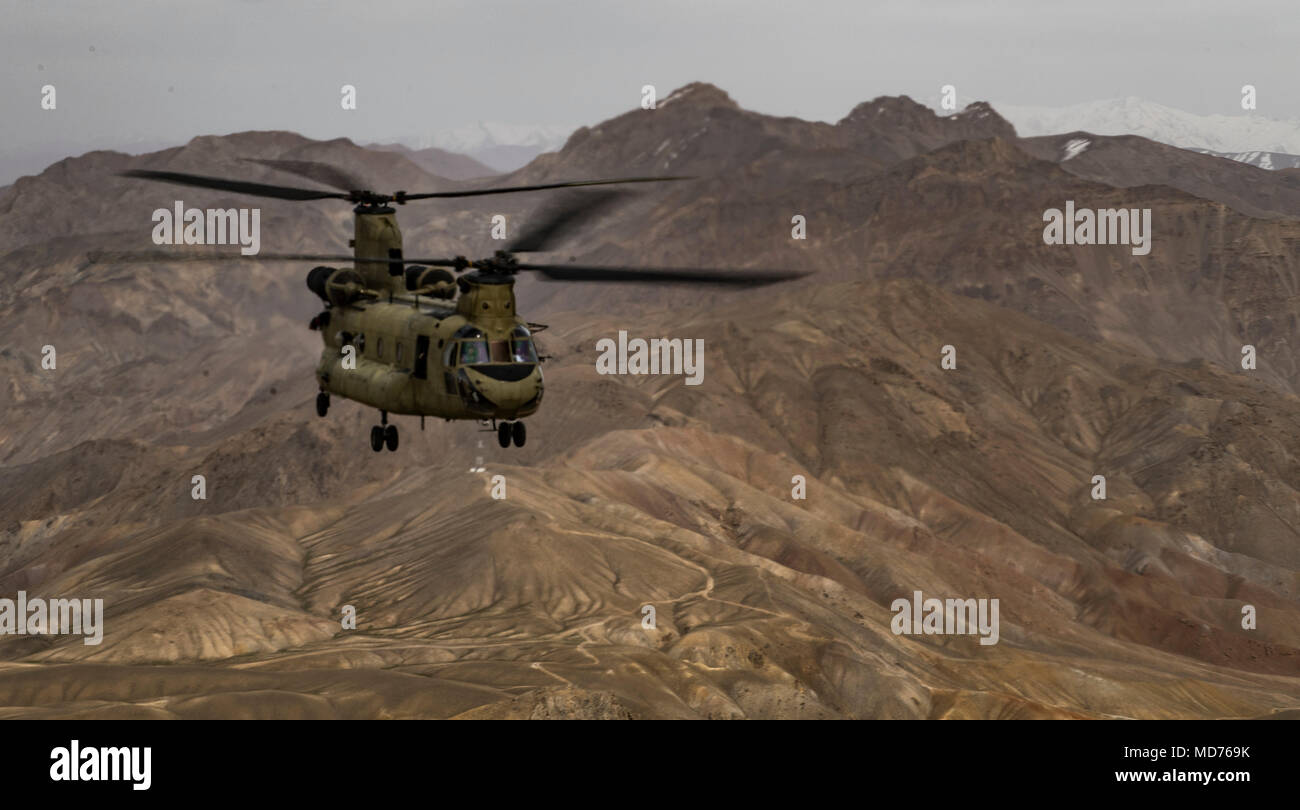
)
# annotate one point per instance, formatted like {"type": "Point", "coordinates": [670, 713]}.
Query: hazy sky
{"type": "Point", "coordinates": [154, 71]}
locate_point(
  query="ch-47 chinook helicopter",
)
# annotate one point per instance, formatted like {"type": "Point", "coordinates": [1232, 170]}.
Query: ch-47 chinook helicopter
{"type": "Point", "coordinates": [421, 336]}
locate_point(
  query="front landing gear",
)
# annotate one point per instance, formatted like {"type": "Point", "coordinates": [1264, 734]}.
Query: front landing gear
{"type": "Point", "coordinates": [383, 434]}
{"type": "Point", "coordinates": [322, 404]}
{"type": "Point", "coordinates": [507, 431]}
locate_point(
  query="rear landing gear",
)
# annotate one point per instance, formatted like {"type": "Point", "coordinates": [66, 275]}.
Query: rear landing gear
{"type": "Point", "coordinates": [503, 434]}
{"type": "Point", "coordinates": [322, 404]}
{"type": "Point", "coordinates": [383, 434]}
{"type": "Point", "coordinates": [520, 433]}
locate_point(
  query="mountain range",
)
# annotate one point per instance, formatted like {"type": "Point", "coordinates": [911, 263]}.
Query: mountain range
{"type": "Point", "coordinates": [924, 240]}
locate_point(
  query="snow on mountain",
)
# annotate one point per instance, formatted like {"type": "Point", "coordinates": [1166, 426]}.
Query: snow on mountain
{"type": "Point", "coordinates": [1264, 160]}
{"type": "Point", "coordinates": [1075, 148]}
{"type": "Point", "coordinates": [1222, 134]}
{"type": "Point", "coordinates": [504, 147]}
{"type": "Point", "coordinates": [490, 133]}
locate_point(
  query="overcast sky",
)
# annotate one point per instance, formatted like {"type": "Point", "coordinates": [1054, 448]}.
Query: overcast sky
{"type": "Point", "coordinates": [161, 72]}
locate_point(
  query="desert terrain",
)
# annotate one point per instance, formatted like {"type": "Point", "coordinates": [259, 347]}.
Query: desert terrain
{"type": "Point", "coordinates": [923, 232]}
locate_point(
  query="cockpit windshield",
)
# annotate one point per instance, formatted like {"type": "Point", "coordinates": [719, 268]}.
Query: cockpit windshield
{"type": "Point", "coordinates": [473, 352]}
{"type": "Point", "coordinates": [470, 347]}
{"type": "Point", "coordinates": [522, 349]}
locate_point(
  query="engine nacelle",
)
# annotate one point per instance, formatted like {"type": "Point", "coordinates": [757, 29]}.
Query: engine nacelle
{"type": "Point", "coordinates": [338, 286]}
{"type": "Point", "coordinates": [435, 281]}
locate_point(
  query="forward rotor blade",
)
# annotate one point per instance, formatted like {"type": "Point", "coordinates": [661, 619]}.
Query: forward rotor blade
{"type": "Point", "coordinates": [239, 186]}
{"type": "Point", "coordinates": [513, 189]}
{"type": "Point", "coordinates": [671, 275]}
{"type": "Point", "coordinates": [563, 218]}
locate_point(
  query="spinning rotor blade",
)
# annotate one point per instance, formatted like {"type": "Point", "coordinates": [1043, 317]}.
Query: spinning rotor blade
{"type": "Point", "coordinates": [320, 172]}
{"type": "Point", "coordinates": [167, 257]}
{"type": "Point", "coordinates": [670, 275]}
{"type": "Point", "coordinates": [541, 187]}
{"type": "Point", "coordinates": [554, 272]}
{"type": "Point", "coordinates": [505, 263]}
{"type": "Point", "coordinates": [553, 225]}
{"type": "Point", "coordinates": [240, 186]}
{"type": "Point", "coordinates": [564, 217]}
{"type": "Point", "coordinates": [354, 195]}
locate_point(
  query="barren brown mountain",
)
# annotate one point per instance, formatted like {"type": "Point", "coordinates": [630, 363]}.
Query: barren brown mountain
{"type": "Point", "coordinates": [635, 491]}
{"type": "Point", "coordinates": [440, 162]}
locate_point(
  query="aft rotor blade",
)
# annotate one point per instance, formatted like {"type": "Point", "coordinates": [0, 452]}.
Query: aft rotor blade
{"type": "Point", "coordinates": [670, 275]}
{"type": "Point", "coordinates": [239, 186]}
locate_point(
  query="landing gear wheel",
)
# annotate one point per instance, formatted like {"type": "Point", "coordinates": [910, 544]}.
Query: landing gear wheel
{"type": "Point", "coordinates": [390, 437]}
{"type": "Point", "coordinates": [520, 433]}
{"type": "Point", "coordinates": [503, 434]}
{"type": "Point", "coordinates": [376, 438]}
{"type": "Point", "coordinates": [322, 404]}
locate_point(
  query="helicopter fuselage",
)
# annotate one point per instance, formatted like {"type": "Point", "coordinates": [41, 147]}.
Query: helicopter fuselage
{"type": "Point", "coordinates": [409, 354]}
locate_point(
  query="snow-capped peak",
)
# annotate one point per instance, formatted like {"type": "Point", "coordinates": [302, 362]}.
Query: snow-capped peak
{"type": "Point", "coordinates": [1134, 116]}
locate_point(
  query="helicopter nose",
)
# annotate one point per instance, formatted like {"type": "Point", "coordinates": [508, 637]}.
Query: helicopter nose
{"type": "Point", "coordinates": [508, 387]}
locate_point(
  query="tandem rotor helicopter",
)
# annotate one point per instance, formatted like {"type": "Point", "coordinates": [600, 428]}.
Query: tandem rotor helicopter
{"type": "Point", "coordinates": [422, 337]}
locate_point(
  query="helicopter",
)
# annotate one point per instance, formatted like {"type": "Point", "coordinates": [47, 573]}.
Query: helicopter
{"type": "Point", "coordinates": [438, 337]}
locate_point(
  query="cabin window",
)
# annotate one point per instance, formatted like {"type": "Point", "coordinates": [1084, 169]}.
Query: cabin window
{"type": "Point", "coordinates": [379, 348]}
{"type": "Point", "coordinates": [399, 354]}
{"type": "Point", "coordinates": [522, 349]}
{"type": "Point", "coordinates": [421, 370]}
